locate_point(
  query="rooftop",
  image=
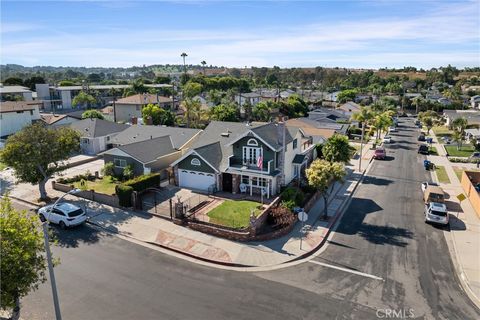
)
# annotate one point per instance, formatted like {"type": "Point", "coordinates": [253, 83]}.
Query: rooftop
{"type": "Point", "coordinates": [107, 87]}
{"type": "Point", "coordinates": [93, 128]}
{"type": "Point", "coordinates": [13, 89]}
{"type": "Point", "coordinates": [145, 98]}
{"type": "Point", "coordinates": [14, 106]}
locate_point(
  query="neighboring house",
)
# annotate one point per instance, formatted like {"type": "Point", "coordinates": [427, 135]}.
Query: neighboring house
{"type": "Point", "coordinates": [333, 96]}
{"type": "Point", "coordinates": [15, 115]}
{"type": "Point", "coordinates": [317, 129]}
{"type": "Point", "coordinates": [57, 98]}
{"type": "Point", "coordinates": [147, 156]}
{"type": "Point", "coordinates": [96, 134]}
{"type": "Point", "coordinates": [348, 108]}
{"type": "Point", "coordinates": [475, 102]}
{"type": "Point", "coordinates": [244, 158]}
{"type": "Point", "coordinates": [472, 133]}
{"type": "Point", "coordinates": [150, 148]}
{"type": "Point", "coordinates": [251, 98]}
{"type": "Point", "coordinates": [13, 93]}
{"type": "Point", "coordinates": [472, 116]}
{"type": "Point", "coordinates": [327, 115]}
{"type": "Point", "coordinates": [131, 107]}
{"type": "Point", "coordinates": [53, 120]}
{"type": "Point", "coordinates": [286, 93]}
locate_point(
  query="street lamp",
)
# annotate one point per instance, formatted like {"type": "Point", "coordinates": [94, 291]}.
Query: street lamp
{"type": "Point", "coordinates": [56, 303]}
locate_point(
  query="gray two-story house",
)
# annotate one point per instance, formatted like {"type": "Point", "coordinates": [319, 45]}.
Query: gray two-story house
{"type": "Point", "coordinates": [244, 158]}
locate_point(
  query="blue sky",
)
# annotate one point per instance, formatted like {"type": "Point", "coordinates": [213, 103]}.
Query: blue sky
{"type": "Point", "coordinates": [359, 34]}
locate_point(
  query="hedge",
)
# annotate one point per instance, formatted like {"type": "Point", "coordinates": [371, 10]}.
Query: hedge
{"type": "Point", "coordinates": [124, 194]}
{"type": "Point", "coordinates": [79, 177]}
{"type": "Point", "coordinates": [462, 160]}
{"type": "Point", "coordinates": [141, 183]}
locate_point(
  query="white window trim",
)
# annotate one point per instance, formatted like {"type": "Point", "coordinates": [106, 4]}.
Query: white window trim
{"type": "Point", "coordinates": [195, 162]}
{"type": "Point", "coordinates": [252, 142]}
{"type": "Point", "coordinates": [120, 162]}
{"type": "Point", "coordinates": [250, 155]}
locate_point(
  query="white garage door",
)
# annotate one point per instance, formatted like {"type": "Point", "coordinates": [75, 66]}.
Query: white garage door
{"type": "Point", "coordinates": [195, 180]}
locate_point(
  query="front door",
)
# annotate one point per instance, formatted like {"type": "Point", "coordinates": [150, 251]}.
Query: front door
{"type": "Point", "coordinates": [227, 182]}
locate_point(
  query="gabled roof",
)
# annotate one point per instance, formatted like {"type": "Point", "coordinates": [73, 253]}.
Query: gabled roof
{"type": "Point", "coordinates": [50, 118]}
{"type": "Point", "coordinates": [350, 106]}
{"type": "Point", "coordinates": [148, 150]}
{"type": "Point", "coordinates": [13, 89]}
{"type": "Point", "coordinates": [145, 98]}
{"type": "Point", "coordinates": [93, 128]}
{"type": "Point", "coordinates": [135, 133]}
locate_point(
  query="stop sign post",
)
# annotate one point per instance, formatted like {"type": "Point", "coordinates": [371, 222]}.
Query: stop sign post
{"type": "Point", "coordinates": [302, 216]}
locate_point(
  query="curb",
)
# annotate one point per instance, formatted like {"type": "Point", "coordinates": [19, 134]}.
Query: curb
{"type": "Point", "coordinates": [25, 201]}
{"type": "Point", "coordinates": [456, 263]}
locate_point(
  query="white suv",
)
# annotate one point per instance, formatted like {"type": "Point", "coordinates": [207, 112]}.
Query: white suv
{"type": "Point", "coordinates": [436, 213]}
{"type": "Point", "coordinates": [64, 214]}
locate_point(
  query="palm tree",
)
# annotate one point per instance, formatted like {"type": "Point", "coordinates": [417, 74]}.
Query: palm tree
{"type": "Point", "coordinates": [192, 112]}
{"type": "Point", "coordinates": [184, 55]}
{"type": "Point", "coordinates": [364, 116]}
{"type": "Point", "coordinates": [457, 136]}
{"type": "Point", "coordinates": [417, 101]}
{"type": "Point", "coordinates": [204, 63]}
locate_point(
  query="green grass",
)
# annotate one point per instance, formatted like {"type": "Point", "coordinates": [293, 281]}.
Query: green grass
{"type": "Point", "coordinates": [234, 214]}
{"type": "Point", "coordinates": [442, 174]}
{"type": "Point", "coordinates": [2, 166]}
{"type": "Point", "coordinates": [433, 151]}
{"type": "Point", "coordinates": [442, 131]}
{"type": "Point", "coordinates": [105, 185]}
{"type": "Point", "coordinates": [465, 150]}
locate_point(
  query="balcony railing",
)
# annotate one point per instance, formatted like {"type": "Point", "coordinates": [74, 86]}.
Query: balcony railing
{"type": "Point", "coordinates": [237, 163]}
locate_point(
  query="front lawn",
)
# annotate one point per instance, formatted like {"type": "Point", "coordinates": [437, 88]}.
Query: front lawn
{"type": "Point", "coordinates": [442, 131]}
{"type": "Point", "coordinates": [234, 214]}
{"type": "Point", "coordinates": [2, 166]}
{"type": "Point", "coordinates": [465, 150]}
{"type": "Point", "coordinates": [442, 174]}
{"type": "Point", "coordinates": [105, 185]}
{"type": "Point", "coordinates": [433, 151]}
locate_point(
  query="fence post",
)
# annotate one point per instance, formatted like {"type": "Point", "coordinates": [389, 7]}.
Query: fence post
{"type": "Point", "coordinates": [171, 208]}
{"type": "Point", "coordinates": [155, 201]}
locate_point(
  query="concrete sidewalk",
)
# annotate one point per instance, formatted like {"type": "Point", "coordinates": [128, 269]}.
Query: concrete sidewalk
{"type": "Point", "coordinates": [463, 238]}
{"type": "Point", "coordinates": [300, 242]}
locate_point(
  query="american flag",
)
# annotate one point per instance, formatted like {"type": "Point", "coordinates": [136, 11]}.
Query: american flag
{"type": "Point", "coordinates": [260, 162]}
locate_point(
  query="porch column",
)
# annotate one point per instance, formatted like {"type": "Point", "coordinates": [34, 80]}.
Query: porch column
{"type": "Point", "coordinates": [268, 188]}
{"type": "Point", "coordinates": [250, 180]}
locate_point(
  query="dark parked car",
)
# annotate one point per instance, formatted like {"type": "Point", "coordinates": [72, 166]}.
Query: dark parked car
{"type": "Point", "coordinates": [423, 149]}
{"type": "Point", "coordinates": [421, 137]}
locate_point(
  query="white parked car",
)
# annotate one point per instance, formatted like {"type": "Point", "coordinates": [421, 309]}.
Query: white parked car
{"type": "Point", "coordinates": [426, 184]}
{"type": "Point", "coordinates": [387, 139]}
{"type": "Point", "coordinates": [64, 214]}
{"type": "Point", "coordinates": [392, 129]}
{"type": "Point", "coordinates": [436, 213]}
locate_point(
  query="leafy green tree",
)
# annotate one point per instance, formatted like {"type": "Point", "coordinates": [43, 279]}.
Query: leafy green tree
{"type": "Point", "coordinates": [13, 81]}
{"type": "Point", "coordinates": [428, 122]}
{"type": "Point", "coordinates": [94, 78]}
{"type": "Point", "coordinates": [337, 149]}
{"type": "Point", "coordinates": [128, 172]}
{"type": "Point", "coordinates": [321, 174]}
{"type": "Point", "coordinates": [158, 115]}
{"type": "Point", "coordinates": [91, 114]}
{"type": "Point", "coordinates": [457, 136]}
{"type": "Point", "coordinates": [262, 110]}
{"type": "Point", "coordinates": [83, 99]}
{"type": "Point", "coordinates": [460, 124]}
{"type": "Point", "coordinates": [193, 112]}
{"type": "Point", "coordinates": [347, 95]}
{"type": "Point", "coordinates": [191, 89]}
{"type": "Point", "coordinates": [224, 112]}
{"type": "Point", "coordinates": [108, 169]}
{"type": "Point", "coordinates": [37, 153]}
{"type": "Point", "coordinates": [22, 258]}
{"type": "Point", "coordinates": [66, 83]}
{"type": "Point", "coordinates": [32, 81]}
{"type": "Point", "coordinates": [163, 79]}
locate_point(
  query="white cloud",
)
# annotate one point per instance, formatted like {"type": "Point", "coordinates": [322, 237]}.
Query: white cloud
{"type": "Point", "coordinates": [382, 42]}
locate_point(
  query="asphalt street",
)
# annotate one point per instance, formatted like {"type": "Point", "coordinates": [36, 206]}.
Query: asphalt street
{"type": "Point", "coordinates": [383, 259]}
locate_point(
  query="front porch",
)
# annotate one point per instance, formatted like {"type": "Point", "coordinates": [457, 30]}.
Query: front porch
{"type": "Point", "coordinates": [249, 184]}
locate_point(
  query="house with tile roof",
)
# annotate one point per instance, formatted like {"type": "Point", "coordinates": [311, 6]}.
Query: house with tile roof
{"type": "Point", "coordinates": [96, 134]}
{"type": "Point", "coordinates": [56, 119]}
{"type": "Point", "coordinates": [246, 158]}
{"type": "Point", "coordinates": [131, 107]}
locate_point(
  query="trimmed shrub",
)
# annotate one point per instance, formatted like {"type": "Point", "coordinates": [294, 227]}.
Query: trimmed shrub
{"type": "Point", "coordinates": [87, 177]}
{"type": "Point", "coordinates": [124, 194]}
{"type": "Point", "coordinates": [108, 169]}
{"type": "Point", "coordinates": [462, 160]}
{"type": "Point", "coordinates": [293, 194]}
{"type": "Point", "coordinates": [290, 204]}
{"type": "Point", "coordinates": [141, 183]}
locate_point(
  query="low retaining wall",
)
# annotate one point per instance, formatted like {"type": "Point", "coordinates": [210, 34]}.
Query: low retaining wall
{"type": "Point", "coordinates": [110, 200]}
{"type": "Point", "coordinates": [468, 179]}
{"type": "Point", "coordinates": [79, 162]}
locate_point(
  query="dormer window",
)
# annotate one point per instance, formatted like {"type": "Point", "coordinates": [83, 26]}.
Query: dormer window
{"type": "Point", "coordinates": [195, 162]}
{"type": "Point", "coordinates": [252, 142]}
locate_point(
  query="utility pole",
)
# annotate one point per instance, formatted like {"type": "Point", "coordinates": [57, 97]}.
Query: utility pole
{"type": "Point", "coordinates": [56, 303]}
